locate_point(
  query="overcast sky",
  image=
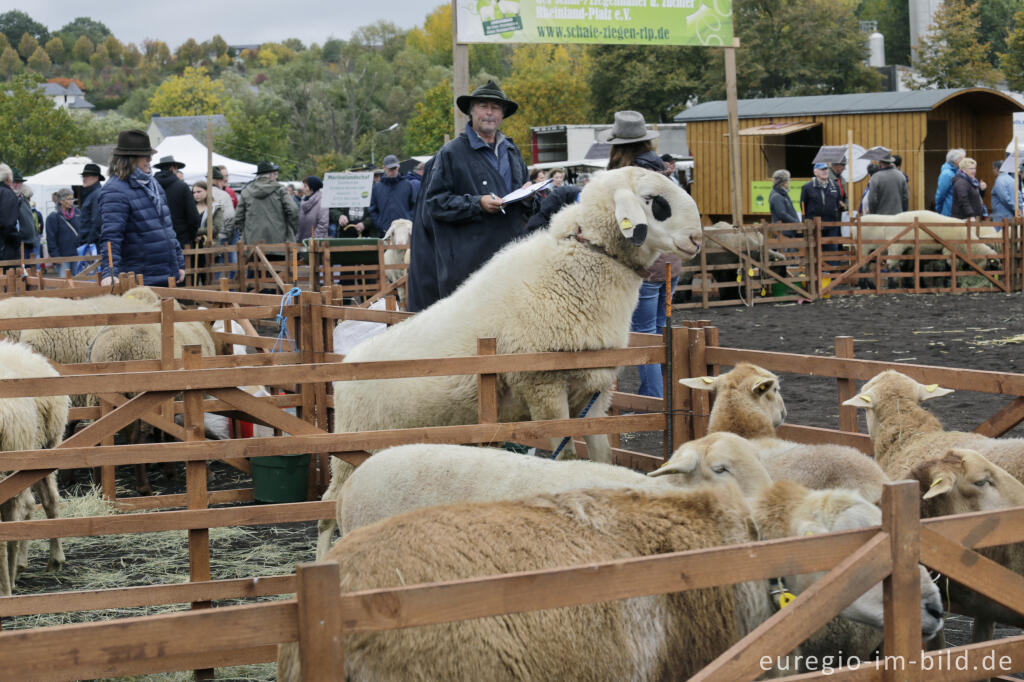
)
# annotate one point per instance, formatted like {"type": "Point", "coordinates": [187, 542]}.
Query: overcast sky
{"type": "Point", "coordinates": [253, 21]}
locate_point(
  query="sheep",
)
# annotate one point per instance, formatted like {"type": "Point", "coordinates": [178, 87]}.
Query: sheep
{"type": "Point", "coordinates": [398, 234]}
{"type": "Point", "coordinates": [873, 235]}
{"type": "Point", "coordinates": [31, 424]}
{"type": "Point", "coordinates": [906, 437]}
{"type": "Point", "coordinates": [571, 287]}
{"type": "Point", "coordinates": [408, 477]}
{"type": "Point", "coordinates": [743, 240]}
{"type": "Point", "coordinates": [748, 402]}
{"type": "Point", "coordinates": [654, 637]}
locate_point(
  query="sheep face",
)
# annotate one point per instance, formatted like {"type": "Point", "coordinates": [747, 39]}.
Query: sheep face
{"type": "Point", "coordinates": [888, 386]}
{"type": "Point", "coordinates": [745, 390]}
{"type": "Point", "coordinates": [652, 215]}
{"type": "Point", "coordinates": [399, 233]}
{"type": "Point", "coordinates": [965, 481]}
{"type": "Point", "coordinates": [715, 458]}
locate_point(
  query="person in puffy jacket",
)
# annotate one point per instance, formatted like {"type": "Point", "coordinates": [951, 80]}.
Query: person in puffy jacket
{"type": "Point", "coordinates": [136, 222]}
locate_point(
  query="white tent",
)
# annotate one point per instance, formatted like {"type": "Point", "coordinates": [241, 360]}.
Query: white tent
{"type": "Point", "coordinates": [65, 174]}
{"type": "Point", "coordinates": [193, 153]}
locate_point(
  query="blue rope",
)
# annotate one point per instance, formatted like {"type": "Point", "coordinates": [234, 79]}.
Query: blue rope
{"type": "Point", "coordinates": [565, 441]}
{"type": "Point", "coordinates": [283, 334]}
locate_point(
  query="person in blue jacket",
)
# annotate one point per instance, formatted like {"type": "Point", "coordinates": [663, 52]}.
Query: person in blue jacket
{"type": "Point", "coordinates": [136, 222]}
{"type": "Point", "coordinates": [394, 197]}
{"type": "Point", "coordinates": [944, 190]}
{"type": "Point", "coordinates": [1002, 197]}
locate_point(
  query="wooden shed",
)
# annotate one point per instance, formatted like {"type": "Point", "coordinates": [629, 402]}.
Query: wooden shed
{"type": "Point", "coordinates": [786, 132]}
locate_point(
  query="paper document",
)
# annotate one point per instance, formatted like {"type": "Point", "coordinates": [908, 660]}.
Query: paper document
{"type": "Point", "coordinates": [524, 192]}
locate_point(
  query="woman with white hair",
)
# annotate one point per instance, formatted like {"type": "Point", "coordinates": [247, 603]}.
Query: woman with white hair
{"type": "Point", "coordinates": [779, 201]}
{"type": "Point", "coordinates": [62, 229]}
{"type": "Point", "coordinates": [944, 190]}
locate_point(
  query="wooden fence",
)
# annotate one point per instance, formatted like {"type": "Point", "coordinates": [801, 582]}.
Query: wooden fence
{"type": "Point", "coordinates": [212, 637]}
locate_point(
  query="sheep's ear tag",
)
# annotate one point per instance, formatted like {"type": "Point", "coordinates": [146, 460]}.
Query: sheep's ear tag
{"type": "Point", "coordinates": [750, 272]}
{"type": "Point", "coordinates": [866, 398]}
{"type": "Point", "coordinates": [937, 481]}
{"type": "Point", "coordinates": [931, 388]}
{"type": "Point", "coordinates": [626, 226]}
{"type": "Point", "coordinates": [785, 599]}
{"type": "Point", "coordinates": [707, 380]}
{"type": "Point", "coordinates": [133, 296]}
{"type": "Point", "coordinates": [739, 277]}
{"type": "Point", "coordinates": [764, 291]}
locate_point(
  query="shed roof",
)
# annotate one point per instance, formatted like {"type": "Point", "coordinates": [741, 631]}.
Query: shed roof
{"type": "Point", "coordinates": [856, 103]}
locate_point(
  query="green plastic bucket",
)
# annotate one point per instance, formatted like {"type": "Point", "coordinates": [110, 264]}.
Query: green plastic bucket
{"type": "Point", "coordinates": [280, 478]}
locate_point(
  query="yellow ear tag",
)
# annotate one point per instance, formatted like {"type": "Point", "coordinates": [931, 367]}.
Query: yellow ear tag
{"type": "Point", "coordinates": [935, 482]}
{"type": "Point", "coordinates": [865, 398]}
{"type": "Point", "coordinates": [931, 388]}
{"type": "Point", "coordinates": [707, 380]}
{"type": "Point", "coordinates": [808, 533]}
{"type": "Point", "coordinates": [739, 277]}
{"type": "Point", "coordinates": [785, 599]}
{"type": "Point", "coordinates": [129, 295]}
{"type": "Point", "coordinates": [750, 272]}
{"type": "Point", "coordinates": [763, 291]}
{"type": "Point", "coordinates": [625, 224]}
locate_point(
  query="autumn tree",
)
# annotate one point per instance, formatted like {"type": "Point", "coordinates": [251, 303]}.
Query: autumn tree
{"type": "Point", "coordinates": [3, 42]}
{"type": "Point", "coordinates": [952, 54]}
{"type": "Point", "coordinates": [100, 59]}
{"type": "Point", "coordinates": [27, 45]}
{"type": "Point", "coordinates": [1012, 61]}
{"type": "Point", "coordinates": [33, 133]}
{"type": "Point", "coordinates": [434, 39]}
{"type": "Point", "coordinates": [191, 94]}
{"type": "Point", "coordinates": [94, 30]}
{"type": "Point", "coordinates": [10, 62]}
{"type": "Point", "coordinates": [83, 49]}
{"type": "Point", "coordinates": [431, 120]}
{"type": "Point", "coordinates": [114, 48]}
{"type": "Point", "coordinates": [15, 23]}
{"type": "Point", "coordinates": [55, 50]}
{"type": "Point", "coordinates": [189, 54]}
{"type": "Point", "coordinates": [131, 57]}
{"type": "Point", "coordinates": [39, 61]}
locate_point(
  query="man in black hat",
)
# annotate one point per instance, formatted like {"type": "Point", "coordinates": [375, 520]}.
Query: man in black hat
{"type": "Point", "coordinates": [265, 212]}
{"type": "Point", "coordinates": [89, 212]}
{"type": "Point", "coordinates": [184, 214]}
{"type": "Point", "coordinates": [28, 231]}
{"type": "Point", "coordinates": [462, 197]}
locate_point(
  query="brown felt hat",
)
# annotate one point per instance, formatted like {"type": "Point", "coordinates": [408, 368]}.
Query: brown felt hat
{"type": "Point", "coordinates": [133, 143]}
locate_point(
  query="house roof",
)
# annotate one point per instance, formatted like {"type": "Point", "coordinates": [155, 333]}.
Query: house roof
{"type": "Point", "coordinates": [825, 105]}
{"type": "Point", "coordinates": [53, 89]}
{"type": "Point", "coordinates": [195, 126]}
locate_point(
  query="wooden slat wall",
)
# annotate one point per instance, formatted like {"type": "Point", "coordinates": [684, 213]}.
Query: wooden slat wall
{"type": "Point", "coordinates": [978, 121]}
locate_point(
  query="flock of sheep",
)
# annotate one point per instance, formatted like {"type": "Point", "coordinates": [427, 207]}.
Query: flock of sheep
{"type": "Point", "coordinates": [430, 513]}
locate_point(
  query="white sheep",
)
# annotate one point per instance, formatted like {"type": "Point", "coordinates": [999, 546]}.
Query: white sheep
{"type": "Point", "coordinates": [398, 234]}
{"type": "Point", "coordinates": [748, 402]}
{"type": "Point", "coordinates": [572, 287]}
{"type": "Point", "coordinates": [646, 638]}
{"type": "Point", "coordinates": [907, 438]}
{"type": "Point", "coordinates": [873, 235]}
{"type": "Point", "coordinates": [31, 424]}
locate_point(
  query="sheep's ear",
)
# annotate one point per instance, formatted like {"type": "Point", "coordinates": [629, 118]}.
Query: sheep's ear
{"type": "Point", "coordinates": [630, 216]}
{"type": "Point", "coordinates": [931, 391]}
{"type": "Point", "coordinates": [700, 383]}
{"type": "Point", "coordinates": [941, 485]}
{"type": "Point", "coordinates": [762, 386]}
{"type": "Point", "coordinates": [865, 400]}
{"type": "Point", "coordinates": [391, 230]}
{"type": "Point", "coordinates": [683, 461]}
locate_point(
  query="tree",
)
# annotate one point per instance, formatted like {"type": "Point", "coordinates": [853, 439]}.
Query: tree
{"type": "Point", "coordinates": [94, 129]}
{"type": "Point", "coordinates": [191, 94]}
{"type": "Point", "coordinates": [15, 23]}
{"type": "Point", "coordinates": [431, 120]}
{"type": "Point", "coordinates": [33, 133]}
{"type": "Point", "coordinates": [951, 54]}
{"type": "Point", "coordinates": [657, 82]}
{"type": "Point", "coordinates": [435, 38]}
{"type": "Point", "coordinates": [94, 30]}
{"type": "Point", "coordinates": [218, 45]}
{"type": "Point", "coordinates": [27, 45]}
{"type": "Point", "coordinates": [189, 54]}
{"type": "Point", "coordinates": [331, 51]}
{"type": "Point", "coordinates": [996, 23]}
{"type": "Point", "coordinates": [39, 61]}
{"type": "Point", "coordinates": [100, 59]}
{"type": "Point", "coordinates": [55, 50]}
{"type": "Point", "coordinates": [3, 42]}
{"type": "Point", "coordinates": [550, 84]}
{"type": "Point", "coordinates": [254, 136]}
{"type": "Point", "coordinates": [115, 50]}
{"type": "Point", "coordinates": [383, 36]}
{"type": "Point", "coordinates": [131, 57]}
{"type": "Point", "coordinates": [893, 17]}
{"type": "Point", "coordinates": [1012, 61]}
{"type": "Point", "coordinates": [157, 53]}
{"type": "Point", "coordinates": [83, 49]}
{"type": "Point", "coordinates": [10, 62]}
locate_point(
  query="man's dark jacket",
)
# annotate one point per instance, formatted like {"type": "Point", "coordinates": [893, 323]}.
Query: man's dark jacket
{"type": "Point", "coordinates": [89, 214]}
{"type": "Point", "coordinates": [392, 198]}
{"type": "Point", "coordinates": [422, 264]}
{"type": "Point", "coordinates": [9, 210]}
{"type": "Point", "coordinates": [184, 214]}
{"type": "Point", "coordinates": [465, 236]}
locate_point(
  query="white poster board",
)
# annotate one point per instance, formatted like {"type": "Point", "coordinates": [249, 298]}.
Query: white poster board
{"type": "Point", "coordinates": [344, 190]}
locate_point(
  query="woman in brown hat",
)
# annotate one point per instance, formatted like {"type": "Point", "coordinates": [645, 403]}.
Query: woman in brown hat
{"type": "Point", "coordinates": [137, 234]}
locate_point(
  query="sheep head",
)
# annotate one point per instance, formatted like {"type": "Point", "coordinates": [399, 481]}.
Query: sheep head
{"type": "Point", "coordinates": [748, 400]}
{"type": "Point", "coordinates": [400, 232]}
{"type": "Point", "coordinates": [964, 481]}
{"type": "Point", "coordinates": [714, 458]}
{"type": "Point", "coordinates": [889, 386]}
{"type": "Point", "coordinates": [635, 215]}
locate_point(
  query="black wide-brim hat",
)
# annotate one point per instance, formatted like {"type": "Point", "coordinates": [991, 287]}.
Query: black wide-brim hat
{"type": "Point", "coordinates": [488, 91]}
{"type": "Point", "coordinates": [92, 169]}
{"type": "Point", "coordinates": [133, 143]}
{"type": "Point", "coordinates": [264, 167]}
{"type": "Point", "coordinates": [166, 161]}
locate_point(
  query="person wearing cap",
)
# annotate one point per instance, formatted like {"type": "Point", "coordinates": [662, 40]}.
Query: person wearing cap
{"type": "Point", "coordinates": [819, 198]}
{"type": "Point", "coordinates": [63, 229]}
{"type": "Point", "coordinates": [265, 212]}
{"type": "Point", "coordinates": [135, 219]}
{"type": "Point", "coordinates": [968, 191]}
{"type": "Point", "coordinates": [184, 214]}
{"type": "Point", "coordinates": [889, 194]}
{"type": "Point", "coordinates": [89, 213]}
{"type": "Point", "coordinates": [670, 168]}
{"type": "Point", "coordinates": [463, 196]}
{"type": "Point", "coordinates": [393, 197]}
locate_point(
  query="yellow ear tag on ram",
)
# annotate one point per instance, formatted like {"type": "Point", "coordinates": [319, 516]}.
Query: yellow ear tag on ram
{"type": "Point", "coordinates": [707, 380]}
{"type": "Point", "coordinates": [931, 388]}
{"type": "Point", "coordinates": [625, 224]}
{"type": "Point", "coordinates": [785, 599]}
{"type": "Point", "coordinates": [750, 272]}
{"type": "Point", "coordinates": [763, 291]}
{"type": "Point", "coordinates": [739, 277]}
{"type": "Point", "coordinates": [865, 398]}
{"type": "Point", "coordinates": [935, 482]}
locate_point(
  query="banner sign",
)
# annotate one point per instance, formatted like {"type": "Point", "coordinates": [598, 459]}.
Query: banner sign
{"type": "Point", "coordinates": [760, 191]}
{"type": "Point", "coordinates": [620, 22]}
{"type": "Point", "coordinates": [344, 190]}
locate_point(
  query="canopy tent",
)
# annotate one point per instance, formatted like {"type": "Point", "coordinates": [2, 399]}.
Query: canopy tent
{"type": "Point", "coordinates": [193, 153]}
{"type": "Point", "coordinates": [65, 174]}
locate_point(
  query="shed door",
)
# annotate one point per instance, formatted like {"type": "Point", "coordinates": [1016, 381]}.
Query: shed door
{"type": "Point", "coordinates": [936, 145]}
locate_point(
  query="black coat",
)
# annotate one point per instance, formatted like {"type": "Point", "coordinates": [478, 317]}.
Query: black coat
{"type": "Point", "coordinates": [422, 285]}
{"type": "Point", "coordinates": [90, 214]}
{"type": "Point", "coordinates": [967, 201]}
{"type": "Point", "coordinates": [184, 214]}
{"type": "Point", "coordinates": [61, 238]}
{"type": "Point", "coordinates": [9, 211]}
{"type": "Point", "coordinates": [465, 236]}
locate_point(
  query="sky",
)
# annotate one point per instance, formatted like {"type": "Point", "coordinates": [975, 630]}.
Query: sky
{"type": "Point", "coordinates": [254, 21]}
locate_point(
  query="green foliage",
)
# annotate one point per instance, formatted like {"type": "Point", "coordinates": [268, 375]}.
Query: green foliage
{"type": "Point", "coordinates": [55, 50]}
{"type": "Point", "coordinates": [893, 17]}
{"type": "Point", "coordinates": [435, 38]}
{"type": "Point", "coordinates": [189, 54]}
{"type": "Point", "coordinates": [83, 49]}
{"type": "Point", "coordinates": [952, 54]}
{"type": "Point", "coordinates": [191, 94]}
{"type": "Point", "coordinates": [255, 136]}
{"type": "Point", "coordinates": [114, 48]}
{"type": "Point", "coordinates": [39, 61]}
{"type": "Point", "coordinates": [996, 24]}
{"type": "Point", "coordinates": [15, 23]}
{"type": "Point", "coordinates": [94, 30]}
{"type": "Point", "coordinates": [100, 59]}
{"type": "Point", "coordinates": [27, 45]}
{"type": "Point", "coordinates": [102, 129]}
{"type": "Point", "coordinates": [34, 135]}
{"type": "Point", "coordinates": [655, 82]}
{"type": "Point", "coordinates": [137, 102]}
{"type": "Point", "coordinates": [383, 37]}
{"type": "Point", "coordinates": [431, 121]}
{"type": "Point", "coordinates": [10, 62]}
{"type": "Point", "coordinates": [3, 42]}
{"type": "Point", "coordinates": [1012, 61]}
{"type": "Point", "coordinates": [331, 51]}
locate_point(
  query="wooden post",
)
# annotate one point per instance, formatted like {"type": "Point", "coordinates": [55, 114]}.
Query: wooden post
{"type": "Point", "coordinates": [698, 367]}
{"type": "Point", "coordinates": [902, 589]}
{"type": "Point", "coordinates": [307, 333]}
{"type": "Point", "coordinates": [487, 385]}
{"type": "Point", "coordinates": [849, 169]}
{"type": "Point", "coordinates": [736, 173]}
{"type": "Point", "coordinates": [847, 387]}
{"type": "Point", "coordinates": [107, 477]}
{"type": "Point", "coordinates": [209, 179]}
{"type": "Point", "coordinates": [318, 590]}
{"type": "Point", "coordinates": [460, 71]}
{"type": "Point", "coordinates": [682, 401]}
{"type": "Point", "coordinates": [666, 373]}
